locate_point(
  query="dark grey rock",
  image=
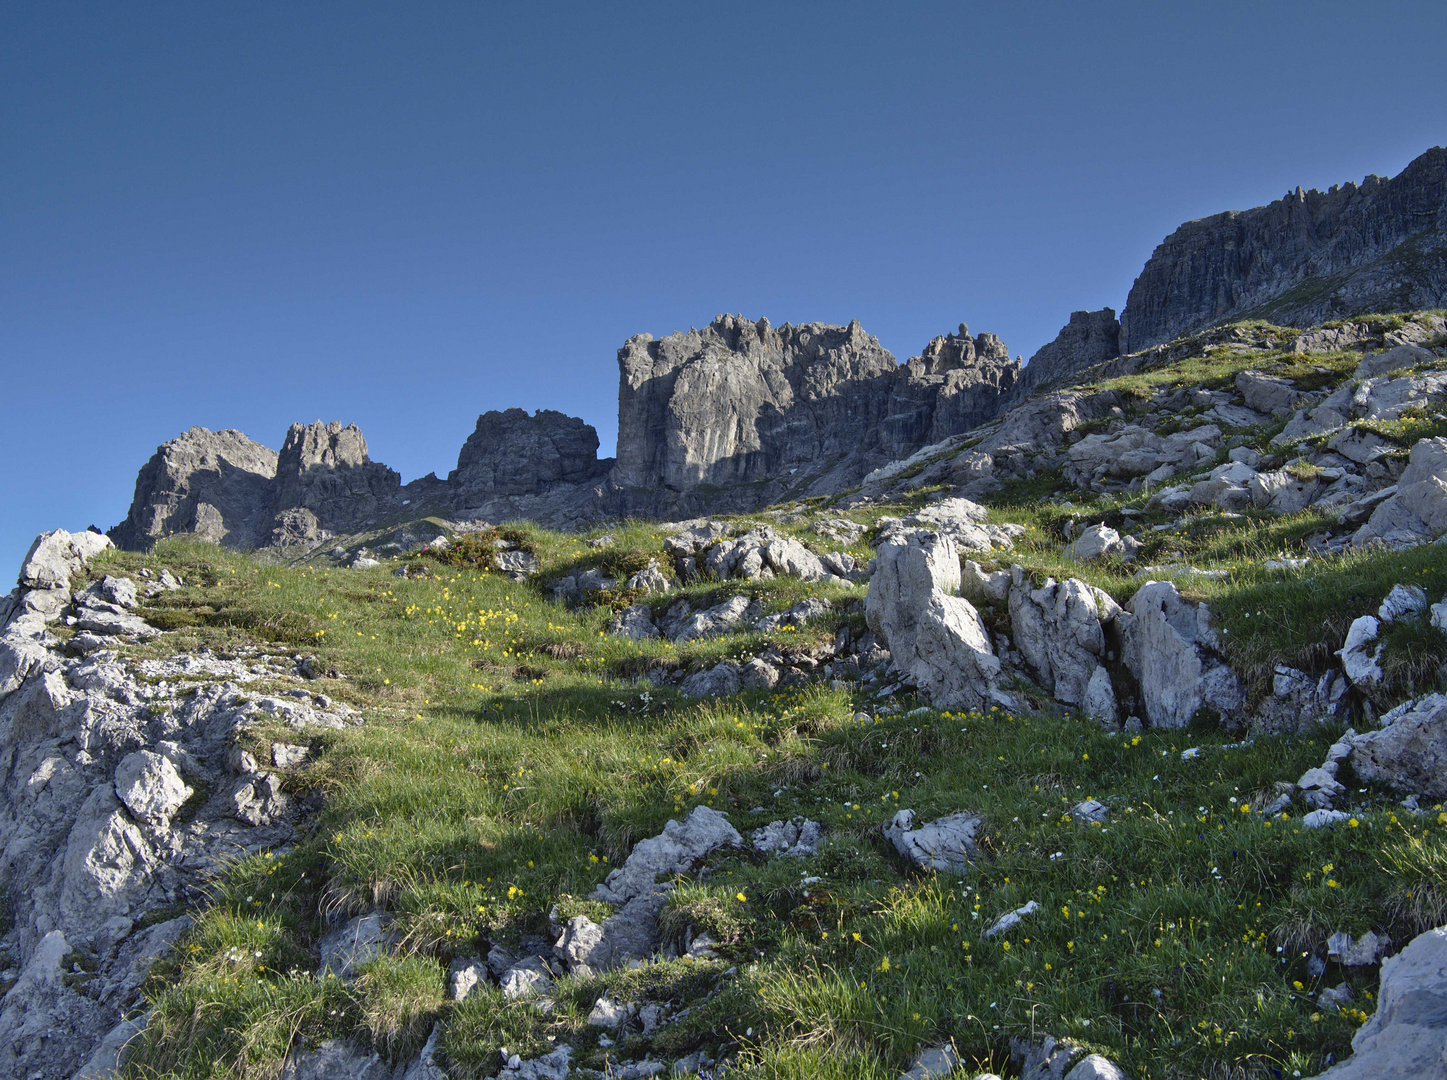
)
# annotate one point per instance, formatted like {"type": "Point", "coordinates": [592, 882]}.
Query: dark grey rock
{"type": "Point", "coordinates": [1307, 258]}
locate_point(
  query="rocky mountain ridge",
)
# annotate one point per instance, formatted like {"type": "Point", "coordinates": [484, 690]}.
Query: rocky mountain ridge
{"type": "Point", "coordinates": [741, 414]}
{"type": "Point", "coordinates": [1309, 257]}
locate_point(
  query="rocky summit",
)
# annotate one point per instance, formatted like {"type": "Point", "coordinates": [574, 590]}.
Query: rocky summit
{"type": "Point", "coordinates": [1380, 245]}
{"type": "Point", "coordinates": [1080, 719]}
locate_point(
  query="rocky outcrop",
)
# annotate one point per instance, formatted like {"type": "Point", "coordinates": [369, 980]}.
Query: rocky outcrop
{"type": "Point", "coordinates": [1416, 511]}
{"type": "Point", "coordinates": [324, 469]}
{"type": "Point", "coordinates": [1307, 258]}
{"type": "Point", "coordinates": [935, 637]}
{"type": "Point", "coordinates": [955, 385]}
{"type": "Point", "coordinates": [512, 453]}
{"type": "Point", "coordinates": [1089, 338]}
{"type": "Point", "coordinates": [1170, 647]}
{"type": "Point", "coordinates": [122, 789]}
{"type": "Point", "coordinates": [741, 402]}
{"type": "Point", "coordinates": [1405, 1036]}
{"type": "Point", "coordinates": [215, 484]}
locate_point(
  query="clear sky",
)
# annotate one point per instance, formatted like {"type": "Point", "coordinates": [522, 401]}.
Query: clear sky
{"type": "Point", "coordinates": [241, 215]}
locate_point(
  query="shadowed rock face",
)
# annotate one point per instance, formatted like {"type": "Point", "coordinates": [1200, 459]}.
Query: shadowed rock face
{"type": "Point", "coordinates": [512, 453]}
{"type": "Point", "coordinates": [740, 402]}
{"type": "Point", "coordinates": [956, 384]}
{"type": "Point", "coordinates": [324, 469]}
{"type": "Point", "coordinates": [1089, 338]}
{"type": "Point", "coordinates": [216, 484]}
{"type": "Point", "coordinates": [1307, 258]}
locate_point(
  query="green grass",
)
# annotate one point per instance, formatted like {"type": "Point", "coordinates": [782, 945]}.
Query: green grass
{"type": "Point", "coordinates": [513, 753]}
{"type": "Point", "coordinates": [508, 762]}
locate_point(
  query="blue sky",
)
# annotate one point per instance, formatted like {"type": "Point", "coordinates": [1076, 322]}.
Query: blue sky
{"type": "Point", "coordinates": [403, 215]}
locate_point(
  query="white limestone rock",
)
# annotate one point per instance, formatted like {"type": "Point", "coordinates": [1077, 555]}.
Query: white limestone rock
{"type": "Point", "coordinates": [909, 570]}
{"type": "Point", "coordinates": [1403, 602]}
{"type": "Point", "coordinates": [1168, 645]}
{"type": "Point", "coordinates": [793, 839]}
{"type": "Point", "coordinates": [1417, 512]}
{"type": "Point", "coordinates": [1094, 542]}
{"type": "Point", "coordinates": [947, 843]}
{"type": "Point", "coordinates": [55, 556]}
{"type": "Point", "coordinates": [150, 787]}
{"type": "Point", "coordinates": [718, 681]}
{"type": "Point", "coordinates": [634, 622]}
{"type": "Point", "coordinates": [346, 949]}
{"type": "Point", "coordinates": [952, 661]}
{"type": "Point", "coordinates": [1409, 753]}
{"type": "Point", "coordinates": [1361, 652]}
{"type": "Point", "coordinates": [1406, 1036]}
{"type": "Point", "coordinates": [1057, 629]}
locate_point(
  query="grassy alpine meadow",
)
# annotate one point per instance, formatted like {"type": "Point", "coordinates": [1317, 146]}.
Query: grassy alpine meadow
{"type": "Point", "coordinates": [511, 752]}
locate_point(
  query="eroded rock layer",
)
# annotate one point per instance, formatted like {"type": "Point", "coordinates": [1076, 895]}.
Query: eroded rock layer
{"type": "Point", "coordinates": [1380, 245]}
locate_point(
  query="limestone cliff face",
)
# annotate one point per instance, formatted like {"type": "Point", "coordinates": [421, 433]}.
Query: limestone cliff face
{"type": "Point", "coordinates": [512, 453]}
{"type": "Point", "coordinates": [324, 469]}
{"type": "Point", "coordinates": [741, 402]}
{"type": "Point", "coordinates": [216, 484]}
{"type": "Point", "coordinates": [1304, 259]}
{"type": "Point", "coordinates": [1089, 338]}
{"type": "Point", "coordinates": [956, 384]}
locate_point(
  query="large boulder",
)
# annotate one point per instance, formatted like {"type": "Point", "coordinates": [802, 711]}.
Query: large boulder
{"type": "Point", "coordinates": [909, 570]}
{"type": "Point", "coordinates": [1168, 645]}
{"type": "Point", "coordinates": [1406, 1038]}
{"type": "Point", "coordinates": [1417, 513]}
{"type": "Point", "coordinates": [1409, 751]}
{"type": "Point", "coordinates": [54, 556]}
{"type": "Point", "coordinates": [1058, 630]}
{"type": "Point", "coordinates": [952, 661]}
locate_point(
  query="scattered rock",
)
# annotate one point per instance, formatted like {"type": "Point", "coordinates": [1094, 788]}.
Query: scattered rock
{"type": "Point", "coordinates": [718, 681]}
{"type": "Point", "coordinates": [346, 949]}
{"type": "Point", "coordinates": [909, 571]}
{"type": "Point", "coordinates": [464, 976]}
{"type": "Point", "coordinates": [933, 1062]}
{"type": "Point", "coordinates": [554, 1065]}
{"type": "Point", "coordinates": [1409, 752]}
{"type": "Point", "coordinates": [1011, 919]}
{"type": "Point", "coordinates": [1403, 602]}
{"type": "Point", "coordinates": [635, 891]}
{"type": "Point", "coordinates": [947, 843]}
{"type": "Point", "coordinates": [1096, 1067]}
{"type": "Point", "coordinates": [1095, 542]}
{"type": "Point", "coordinates": [1403, 1039]}
{"type": "Point", "coordinates": [1358, 657]}
{"type": "Point", "coordinates": [635, 622]}
{"type": "Point", "coordinates": [796, 616]}
{"type": "Point", "coordinates": [1362, 952]}
{"type": "Point", "coordinates": [952, 661]}
{"type": "Point", "coordinates": [611, 1014]}
{"type": "Point", "coordinates": [795, 839]}
{"type": "Point", "coordinates": [529, 978]}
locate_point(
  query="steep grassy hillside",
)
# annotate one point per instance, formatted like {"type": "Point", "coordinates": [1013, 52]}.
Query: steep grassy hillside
{"type": "Point", "coordinates": [513, 751]}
